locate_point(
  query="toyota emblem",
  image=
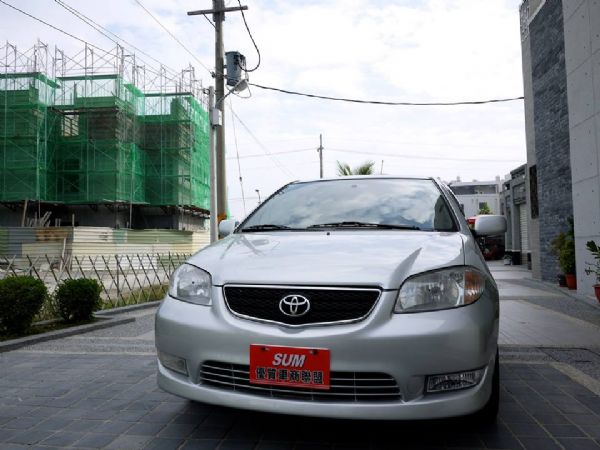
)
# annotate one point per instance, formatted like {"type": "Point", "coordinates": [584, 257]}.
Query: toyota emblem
{"type": "Point", "coordinates": [294, 305]}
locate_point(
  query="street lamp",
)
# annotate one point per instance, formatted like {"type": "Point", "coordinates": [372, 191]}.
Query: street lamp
{"type": "Point", "coordinates": [258, 193]}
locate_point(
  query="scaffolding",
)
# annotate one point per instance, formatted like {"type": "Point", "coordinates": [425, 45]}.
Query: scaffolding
{"type": "Point", "coordinates": [102, 129]}
{"type": "Point", "coordinates": [27, 125]}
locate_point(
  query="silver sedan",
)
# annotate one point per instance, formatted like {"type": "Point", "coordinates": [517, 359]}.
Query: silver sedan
{"type": "Point", "coordinates": [355, 297]}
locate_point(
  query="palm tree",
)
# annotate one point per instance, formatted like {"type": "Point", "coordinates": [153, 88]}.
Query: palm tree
{"type": "Point", "coordinates": [365, 168]}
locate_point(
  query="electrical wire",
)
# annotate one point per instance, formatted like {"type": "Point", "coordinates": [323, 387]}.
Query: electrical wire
{"type": "Point", "coordinates": [52, 26]}
{"type": "Point", "coordinates": [281, 167]}
{"type": "Point", "coordinates": [175, 37]}
{"type": "Point", "coordinates": [377, 102]}
{"type": "Point", "coordinates": [434, 158]}
{"type": "Point", "coordinates": [237, 152]}
{"type": "Point", "coordinates": [251, 38]}
{"type": "Point", "coordinates": [259, 155]}
{"type": "Point", "coordinates": [102, 30]}
{"type": "Point", "coordinates": [77, 38]}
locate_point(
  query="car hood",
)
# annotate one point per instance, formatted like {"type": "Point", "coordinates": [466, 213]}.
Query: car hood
{"type": "Point", "coordinates": [381, 258]}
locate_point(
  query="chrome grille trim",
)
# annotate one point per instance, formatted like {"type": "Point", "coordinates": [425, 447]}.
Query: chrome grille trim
{"type": "Point", "coordinates": [345, 386]}
{"type": "Point", "coordinates": [296, 287]}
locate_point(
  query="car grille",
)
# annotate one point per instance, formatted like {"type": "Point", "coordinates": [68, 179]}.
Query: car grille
{"type": "Point", "coordinates": [344, 386]}
{"type": "Point", "coordinates": [326, 305]}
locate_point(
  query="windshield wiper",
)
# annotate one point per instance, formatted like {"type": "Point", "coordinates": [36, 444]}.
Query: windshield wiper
{"type": "Point", "coordinates": [267, 227]}
{"type": "Point", "coordinates": [354, 224]}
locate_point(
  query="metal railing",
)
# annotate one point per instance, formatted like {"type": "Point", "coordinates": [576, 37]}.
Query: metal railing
{"type": "Point", "coordinates": [125, 279]}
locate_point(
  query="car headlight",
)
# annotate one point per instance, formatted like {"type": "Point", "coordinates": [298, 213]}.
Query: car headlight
{"type": "Point", "coordinates": [190, 284]}
{"type": "Point", "coordinates": [442, 289]}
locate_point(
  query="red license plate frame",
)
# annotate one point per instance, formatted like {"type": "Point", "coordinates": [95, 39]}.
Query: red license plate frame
{"type": "Point", "coordinates": [299, 367]}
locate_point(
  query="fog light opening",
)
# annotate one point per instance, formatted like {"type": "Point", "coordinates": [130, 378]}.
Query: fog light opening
{"type": "Point", "coordinates": [454, 381]}
{"type": "Point", "coordinates": [172, 362]}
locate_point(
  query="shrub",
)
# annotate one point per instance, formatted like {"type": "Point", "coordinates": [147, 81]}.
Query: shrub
{"type": "Point", "coordinates": [78, 299]}
{"type": "Point", "coordinates": [21, 298]}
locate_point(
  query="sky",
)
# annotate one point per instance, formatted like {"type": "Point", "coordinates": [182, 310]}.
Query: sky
{"type": "Point", "coordinates": [396, 50]}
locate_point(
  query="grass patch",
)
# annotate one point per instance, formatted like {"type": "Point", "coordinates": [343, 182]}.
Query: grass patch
{"type": "Point", "coordinates": [138, 296]}
{"type": "Point", "coordinates": [44, 328]}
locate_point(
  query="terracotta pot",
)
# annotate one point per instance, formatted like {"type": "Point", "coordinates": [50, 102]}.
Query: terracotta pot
{"type": "Point", "coordinates": [597, 291]}
{"type": "Point", "coordinates": [571, 281]}
{"type": "Point", "coordinates": [562, 281]}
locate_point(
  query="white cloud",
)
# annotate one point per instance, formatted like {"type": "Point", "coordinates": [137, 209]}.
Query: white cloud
{"type": "Point", "coordinates": [387, 50]}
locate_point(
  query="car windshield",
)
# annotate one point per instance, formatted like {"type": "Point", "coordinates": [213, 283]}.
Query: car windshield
{"type": "Point", "coordinates": [385, 203]}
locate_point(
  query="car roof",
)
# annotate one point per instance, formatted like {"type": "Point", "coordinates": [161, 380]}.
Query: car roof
{"type": "Point", "coordinates": [363, 177]}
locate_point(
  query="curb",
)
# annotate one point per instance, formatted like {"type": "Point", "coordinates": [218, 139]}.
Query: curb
{"type": "Point", "coordinates": [14, 344]}
{"type": "Point", "coordinates": [566, 292]}
{"type": "Point", "coordinates": [126, 309]}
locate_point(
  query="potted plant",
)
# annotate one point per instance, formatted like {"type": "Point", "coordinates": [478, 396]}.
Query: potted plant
{"type": "Point", "coordinates": [563, 247]}
{"type": "Point", "coordinates": [566, 260]}
{"type": "Point", "coordinates": [594, 268]}
{"type": "Point", "coordinates": [555, 247]}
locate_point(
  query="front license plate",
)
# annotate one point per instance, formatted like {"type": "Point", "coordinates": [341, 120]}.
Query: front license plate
{"type": "Point", "coordinates": [289, 366]}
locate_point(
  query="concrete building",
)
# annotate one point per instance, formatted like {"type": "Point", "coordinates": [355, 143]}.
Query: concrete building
{"type": "Point", "coordinates": [561, 77]}
{"type": "Point", "coordinates": [514, 206]}
{"type": "Point", "coordinates": [473, 194]}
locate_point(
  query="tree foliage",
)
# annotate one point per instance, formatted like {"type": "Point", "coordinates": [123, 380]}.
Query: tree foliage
{"type": "Point", "coordinates": [366, 168]}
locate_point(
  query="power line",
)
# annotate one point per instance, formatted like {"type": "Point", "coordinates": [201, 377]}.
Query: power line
{"type": "Point", "coordinates": [175, 37]}
{"type": "Point", "coordinates": [434, 158]}
{"type": "Point", "coordinates": [377, 154]}
{"type": "Point", "coordinates": [77, 38]}
{"type": "Point", "coordinates": [286, 171]}
{"type": "Point", "coordinates": [237, 152]}
{"type": "Point", "coordinates": [52, 26]}
{"type": "Point", "coordinates": [251, 38]}
{"type": "Point", "coordinates": [102, 30]}
{"type": "Point", "coordinates": [262, 155]}
{"type": "Point", "coordinates": [377, 102]}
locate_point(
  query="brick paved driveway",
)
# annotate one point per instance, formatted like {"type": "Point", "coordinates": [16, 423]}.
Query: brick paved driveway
{"type": "Point", "coordinates": [98, 390]}
{"type": "Point", "coordinates": [58, 400]}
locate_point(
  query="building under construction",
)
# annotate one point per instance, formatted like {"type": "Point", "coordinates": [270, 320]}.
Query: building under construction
{"type": "Point", "coordinates": [97, 139]}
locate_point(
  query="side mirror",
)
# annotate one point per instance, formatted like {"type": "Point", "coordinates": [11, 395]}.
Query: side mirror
{"type": "Point", "coordinates": [227, 226]}
{"type": "Point", "coordinates": [489, 225]}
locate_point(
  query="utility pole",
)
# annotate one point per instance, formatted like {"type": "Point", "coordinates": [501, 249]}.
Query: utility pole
{"type": "Point", "coordinates": [381, 171]}
{"type": "Point", "coordinates": [214, 223]}
{"type": "Point", "coordinates": [218, 12]}
{"type": "Point", "coordinates": [320, 150]}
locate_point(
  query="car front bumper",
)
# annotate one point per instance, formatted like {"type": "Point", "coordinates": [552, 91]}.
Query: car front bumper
{"type": "Point", "coordinates": [406, 346]}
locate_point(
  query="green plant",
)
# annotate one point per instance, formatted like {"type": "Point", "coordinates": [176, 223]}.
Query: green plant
{"type": "Point", "coordinates": [594, 268]}
{"type": "Point", "coordinates": [365, 168]}
{"type": "Point", "coordinates": [485, 209]}
{"type": "Point", "coordinates": [78, 299]}
{"type": "Point", "coordinates": [21, 298]}
{"type": "Point", "coordinates": [563, 247]}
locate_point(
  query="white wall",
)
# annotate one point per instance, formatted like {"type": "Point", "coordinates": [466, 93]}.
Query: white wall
{"type": "Point", "coordinates": [582, 60]}
{"type": "Point", "coordinates": [471, 203]}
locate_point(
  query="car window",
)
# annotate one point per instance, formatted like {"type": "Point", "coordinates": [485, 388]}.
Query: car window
{"type": "Point", "coordinates": [389, 201]}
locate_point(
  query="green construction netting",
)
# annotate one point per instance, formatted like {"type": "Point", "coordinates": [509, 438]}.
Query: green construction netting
{"type": "Point", "coordinates": [97, 139]}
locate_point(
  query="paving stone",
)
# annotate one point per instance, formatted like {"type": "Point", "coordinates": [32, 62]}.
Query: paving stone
{"type": "Point", "coordinates": [62, 438]}
{"type": "Point", "coordinates": [578, 444]}
{"type": "Point", "coordinates": [30, 437]}
{"type": "Point", "coordinates": [145, 429]}
{"type": "Point", "coordinates": [129, 442]}
{"type": "Point", "coordinates": [201, 444]}
{"type": "Point", "coordinates": [565, 431]}
{"type": "Point", "coordinates": [527, 430]}
{"type": "Point", "coordinates": [177, 430]}
{"type": "Point", "coordinates": [95, 440]}
{"type": "Point", "coordinates": [536, 443]}
{"type": "Point", "coordinates": [53, 423]}
{"type": "Point", "coordinates": [83, 425]}
{"type": "Point", "coordinates": [160, 443]}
